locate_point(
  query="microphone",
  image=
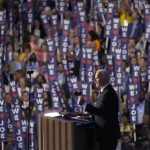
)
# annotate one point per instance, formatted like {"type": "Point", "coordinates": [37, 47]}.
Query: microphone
{"type": "Point", "coordinates": [77, 93]}
{"type": "Point", "coordinates": [30, 72]}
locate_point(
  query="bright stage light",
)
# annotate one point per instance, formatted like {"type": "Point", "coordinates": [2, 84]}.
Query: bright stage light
{"type": "Point", "coordinates": [52, 114]}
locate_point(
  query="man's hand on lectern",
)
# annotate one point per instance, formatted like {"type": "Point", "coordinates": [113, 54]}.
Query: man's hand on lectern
{"type": "Point", "coordinates": [81, 101]}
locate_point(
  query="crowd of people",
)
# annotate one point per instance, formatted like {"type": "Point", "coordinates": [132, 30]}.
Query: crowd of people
{"type": "Point", "coordinates": [29, 52]}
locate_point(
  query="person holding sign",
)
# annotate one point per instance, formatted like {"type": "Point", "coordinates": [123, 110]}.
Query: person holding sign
{"type": "Point", "coordinates": [105, 111]}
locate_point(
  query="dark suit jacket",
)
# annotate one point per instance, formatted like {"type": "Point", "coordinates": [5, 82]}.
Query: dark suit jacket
{"type": "Point", "coordinates": [106, 114]}
{"type": "Point", "coordinates": [147, 107]}
{"type": "Point", "coordinates": [6, 80]}
{"type": "Point", "coordinates": [138, 31]}
{"type": "Point", "coordinates": [142, 133]}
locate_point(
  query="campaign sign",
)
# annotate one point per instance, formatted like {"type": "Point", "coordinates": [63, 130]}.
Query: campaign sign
{"type": "Point", "coordinates": [83, 27]}
{"type": "Point", "coordinates": [144, 82]}
{"type": "Point", "coordinates": [95, 13]}
{"type": "Point", "coordinates": [118, 66]}
{"type": "Point", "coordinates": [16, 117]}
{"type": "Point", "coordinates": [2, 115]}
{"type": "Point", "coordinates": [147, 22]}
{"type": "Point", "coordinates": [30, 16]}
{"type": "Point", "coordinates": [39, 100]}
{"type": "Point", "coordinates": [43, 3]}
{"type": "Point", "coordinates": [109, 19]}
{"type": "Point", "coordinates": [2, 27]}
{"type": "Point", "coordinates": [55, 32]}
{"type": "Point", "coordinates": [74, 83]}
{"type": "Point", "coordinates": [54, 97]}
{"type": "Point", "coordinates": [2, 33]}
{"type": "Point", "coordinates": [111, 68]}
{"type": "Point", "coordinates": [124, 42]}
{"type": "Point", "coordinates": [114, 34]}
{"type": "Point", "coordinates": [51, 70]}
{"type": "Point", "coordinates": [89, 65]}
{"type": "Point", "coordinates": [100, 6]}
{"type": "Point", "coordinates": [133, 103]}
{"type": "Point", "coordinates": [2, 16]}
{"type": "Point", "coordinates": [148, 64]}
{"type": "Point", "coordinates": [136, 73]}
{"type": "Point", "coordinates": [147, 12]}
{"type": "Point", "coordinates": [136, 3]}
{"type": "Point", "coordinates": [66, 68]}
{"type": "Point", "coordinates": [30, 11]}
{"type": "Point", "coordinates": [85, 91]}
{"type": "Point", "coordinates": [76, 106]}
{"type": "Point", "coordinates": [9, 125]}
{"type": "Point", "coordinates": [32, 135]}
{"type": "Point", "coordinates": [83, 72]}
{"type": "Point", "coordinates": [83, 59]}
{"type": "Point", "coordinates": [52, 62]}
{"type": "Point", "coordinates": [71, 66]}
{"type": "Point", "coordinates": [13, 89]}
{"type": "Point", "coordinates": [117, 89]}
{"type": "Point", "coordinates": [147, 32]}
{"type": "Point", "coordinates": [20, 10]}
{"type": "Point", "coordinates": [24, 125]}
{"type": "Point", "coordinates": [45, 22]}
{"type": "Point", "coordinates": [2, 103]}
{"type": "Point", "coordinates": [10, 11]}
{"type": "Point", "coordinates": [20, 29]}
{"type": "Point", "coordinates": [1, 56]}
{"type": "Point", "coordinates": [81, 18]}
{"type": "Point", "coordinates": [96, 60]}
{"type": "Point", "coordinates": [73, 4]}
{"type": "Point", "coordinates": [16, 120]}
{"type": "Point", "coordinates": [59, 93]}
{"type": "Point", "coordinates": [80, 6]}
{"type": "Point", "coordinates": [62, 5]}
{"type": "Point", "coordinates": [65, 37]}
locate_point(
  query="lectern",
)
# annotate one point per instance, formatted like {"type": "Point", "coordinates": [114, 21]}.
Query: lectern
{"type": "Point", "coordinates": [61, 133]}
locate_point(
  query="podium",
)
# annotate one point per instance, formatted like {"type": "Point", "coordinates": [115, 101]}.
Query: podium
{"type": "Point", "coordinates": [59, 133]}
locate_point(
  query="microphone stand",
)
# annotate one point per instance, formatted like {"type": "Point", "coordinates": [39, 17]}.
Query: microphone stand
{"type": "Point", "coordinates": [29, 115]}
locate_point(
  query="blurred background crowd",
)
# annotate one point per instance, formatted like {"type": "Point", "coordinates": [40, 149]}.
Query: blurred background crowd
{"type": "Point", "coordinates": [28, 51]}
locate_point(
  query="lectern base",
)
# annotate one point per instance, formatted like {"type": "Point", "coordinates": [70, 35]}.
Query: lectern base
{"type": "Point", "coordinates": [61, 134]}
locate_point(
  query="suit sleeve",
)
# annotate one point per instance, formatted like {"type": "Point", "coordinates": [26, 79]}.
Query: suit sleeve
{"type": "Point", "coordinates": [105, 108]}
{"type": "Point", "coordinates": [93, 110]}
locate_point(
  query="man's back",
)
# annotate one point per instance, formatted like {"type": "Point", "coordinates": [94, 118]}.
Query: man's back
{"type": "Point", "coordinates": [106, 113]}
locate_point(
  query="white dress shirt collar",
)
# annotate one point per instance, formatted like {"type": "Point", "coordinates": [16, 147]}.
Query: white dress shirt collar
{"type": "Point", "coordinates": [102, 88]}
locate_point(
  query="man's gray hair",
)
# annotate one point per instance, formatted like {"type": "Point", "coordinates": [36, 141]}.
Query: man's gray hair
{"type": "Point", "coordinates": [103, 76]}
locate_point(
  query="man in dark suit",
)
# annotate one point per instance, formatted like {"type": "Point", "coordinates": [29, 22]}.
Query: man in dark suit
{"type": "Point", "coordinates": [136, 28]}
{"type": "Point", "coordinates": [106, 112]}
{"type": "Point", "coordinates": [7, 76]}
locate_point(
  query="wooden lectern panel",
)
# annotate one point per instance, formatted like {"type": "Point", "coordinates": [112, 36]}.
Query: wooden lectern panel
{"type": "Point", "coordinates": [44, 126]}
{"type": "Point", "coordinates": [40, 133]}
{"type": "Point", "coordinates": [50, 133]}
{"type": "Point", "coordinates": [57, 135]}
{"type": "Point", "coordinates": [70, 136]}
{"type": "Point", "coordinates": [63, 136]}
{"type": "Point", "coordinates": [60, 134]}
